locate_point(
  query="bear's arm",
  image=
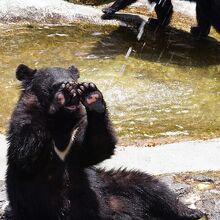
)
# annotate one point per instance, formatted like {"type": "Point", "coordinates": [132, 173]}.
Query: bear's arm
{"type": "Point", "coordinates": [99, 138]}
{"type": "Point", "coordinates": [28, 139]}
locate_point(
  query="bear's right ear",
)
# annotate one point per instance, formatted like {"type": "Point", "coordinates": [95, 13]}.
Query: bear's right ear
{"type": "Point", "coordinates": [23, 72]}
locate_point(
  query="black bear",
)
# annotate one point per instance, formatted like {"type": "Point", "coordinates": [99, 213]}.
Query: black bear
{"type": "Point", "coordinates": [207, 13]}
{"type": "Point", "coordinates": [58, 130]}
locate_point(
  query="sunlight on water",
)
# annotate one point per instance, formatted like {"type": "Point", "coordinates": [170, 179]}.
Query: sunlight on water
{"type": "Point", "coordinates": [169, 86]}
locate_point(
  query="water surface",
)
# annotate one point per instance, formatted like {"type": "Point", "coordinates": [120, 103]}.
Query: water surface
{"type": "Point", "coordinates": [168, 87]}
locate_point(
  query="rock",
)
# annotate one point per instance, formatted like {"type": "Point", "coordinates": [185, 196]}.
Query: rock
{"type": "Point", "coordinates": [180, 188]}
{"type": "Point", "coordinates": [205, 186]}
{"type": "Point", "coordinates": [191, 199]}
{"type": "Point", "coordinates": [198, 190]}
{"type": "Point", "coordinates": [3, 199]}
{"type": "Point", "coordinates": [203, 178]}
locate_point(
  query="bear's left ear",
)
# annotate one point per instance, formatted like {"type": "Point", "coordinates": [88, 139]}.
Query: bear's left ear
{"type": "Point", "coordinates": [23, 72]}
{"type": "Point", "coordinates": [74, 70]}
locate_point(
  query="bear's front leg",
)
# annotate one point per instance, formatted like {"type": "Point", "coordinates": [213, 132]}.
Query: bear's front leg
{"type": "Point", "coordinates": [99, 139]}
{"type": "Point", "coordinates": [164, 11]}
{"type": "Point", "coordinates": [204, 23]}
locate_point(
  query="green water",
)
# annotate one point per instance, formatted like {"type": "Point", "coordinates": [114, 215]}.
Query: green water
{"type": "Point", "coordinates": [168, 87]}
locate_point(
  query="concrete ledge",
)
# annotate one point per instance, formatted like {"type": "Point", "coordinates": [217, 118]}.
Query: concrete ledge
{"type": "Point", "coordinates": [169, 158]}
{"type": "Point", "coordinates": [3, 152]}
{"type": "Point", "coordinates": [46, 11]}
{"type": "Point", "coordinates": [50, 11]}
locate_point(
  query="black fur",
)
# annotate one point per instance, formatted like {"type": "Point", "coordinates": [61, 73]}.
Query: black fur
{"type": "Point", "coordinates": [43, 185]}
{"type": "Point", "coordinates": [207, 13]}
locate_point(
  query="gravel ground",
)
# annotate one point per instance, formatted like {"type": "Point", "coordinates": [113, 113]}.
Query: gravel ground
{"type": "Point", "coordinates": [197, 190]}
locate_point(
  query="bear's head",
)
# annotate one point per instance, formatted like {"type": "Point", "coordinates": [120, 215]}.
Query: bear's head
{"type": "Point", "coordinates": [46, 85]}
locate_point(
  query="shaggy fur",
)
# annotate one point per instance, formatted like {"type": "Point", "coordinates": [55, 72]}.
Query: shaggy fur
{"type": "Point", "coordinates": [59, 128]}
{"type": "Point", "coordinates": [207, 13]}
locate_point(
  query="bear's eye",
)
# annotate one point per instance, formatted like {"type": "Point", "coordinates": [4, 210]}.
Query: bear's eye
{"type": "Point", "coordinates": [55, 87]}
{"type": "Point", "coordinates": [52, 90]}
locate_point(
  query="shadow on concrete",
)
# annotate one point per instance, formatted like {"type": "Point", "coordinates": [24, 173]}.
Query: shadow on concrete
{"type": "Point", "coordinates": [165, 46]}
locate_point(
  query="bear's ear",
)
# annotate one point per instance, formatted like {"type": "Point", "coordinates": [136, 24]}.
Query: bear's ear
{"type": "Point", "coordinates": [23, 72]}
{"type": "Point", "coordinates": [74, 70]}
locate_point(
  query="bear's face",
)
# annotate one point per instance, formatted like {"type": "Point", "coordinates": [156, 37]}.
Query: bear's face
{"type": "Point", "coordinates": [46, 84]}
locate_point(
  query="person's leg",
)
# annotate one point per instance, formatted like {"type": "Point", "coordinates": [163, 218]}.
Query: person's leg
{"type": "Point", "coordinates": [117, 5]}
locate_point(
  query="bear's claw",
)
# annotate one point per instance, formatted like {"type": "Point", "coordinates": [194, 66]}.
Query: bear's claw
{"type": "Point", "coordinates": [69, 87]}
{"type": "Point", "coordinates": [65, 97]}
{"type": "Point", "coordinates": [108, 13]}
{"type": "Point", "coordinates": [65, 93]}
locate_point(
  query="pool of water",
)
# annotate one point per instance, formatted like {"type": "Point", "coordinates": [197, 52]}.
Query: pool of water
{"type": "Point", "coordinates": [168, 87]}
